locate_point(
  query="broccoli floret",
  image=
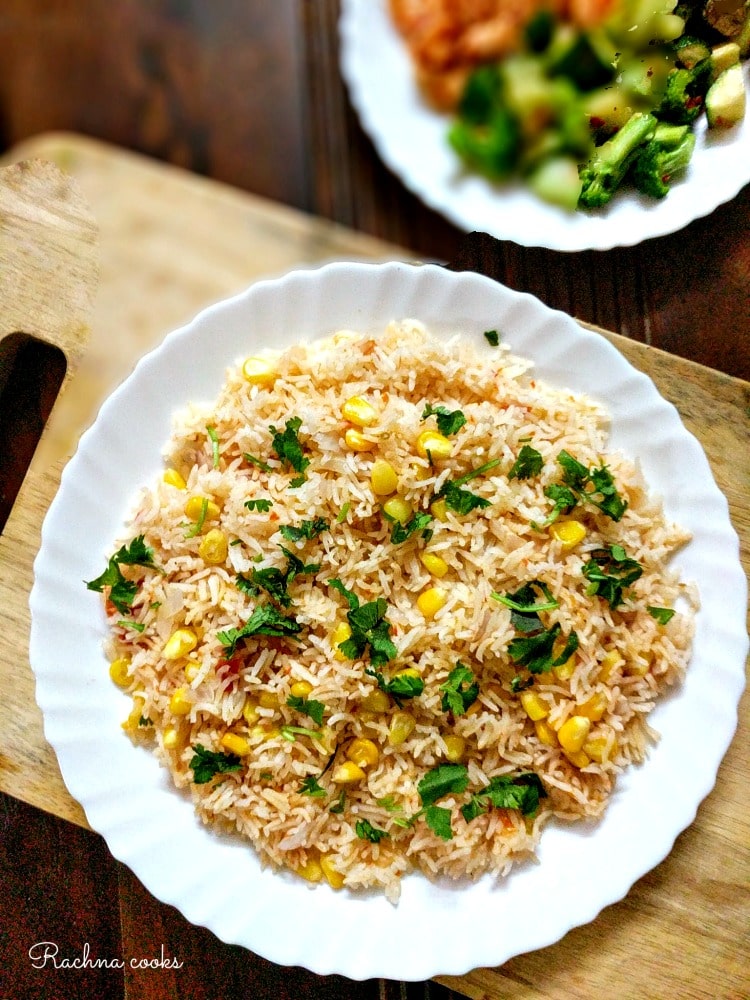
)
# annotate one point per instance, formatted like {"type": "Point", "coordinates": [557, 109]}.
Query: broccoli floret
{"type": "Point", "coordinates": [493, 149]}
{"type": "Point", "coordinates": [685, 93]}
{"type": "Point", "coordinates": [603, 173]}
{"type": "Point", "coordinates": [667, 154]}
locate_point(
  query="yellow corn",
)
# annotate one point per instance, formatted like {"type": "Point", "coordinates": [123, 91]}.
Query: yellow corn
{"type": "Point", "coordinates": [327, 739]}
{"type": "Point", "coordinates": [363, 752]}
{"type": "Point", "coordinates": [180, 703]}
{"type": "Point", "coordinates": [455, 747]}
{"type": "Point", "coordinates": [594, 707]}
{"type": "Point", "coordinates": [401, 727]}
{"type": "Point", "coordinates": [565, 671]}
{"type": "Point", "coordinates": [341, 633]}
{"type": "Point", "coordinates": [250, 713]}
{"type": "Point", "coordinates": [610, 661]}
{"type": "Point", "coordinates": [640, 665]}
{"type": "Point", "coordinates": [192, 669]}
{"type": "Point", "coordinates": [311, 870]}
{"type": "Point", "coordinates": [235, 744]}
{"type": "Point", "coordinates": [430, 601]}
{"type": "Point", "coordinates": [263, 732]}
{"type": "Point", "coordinates": [213, 548]}
{"type": "Point", "coordinates": [358, 411]}
{"type": "Point", "coordinates": [268, 699]}
{"type": "Point", "coordinates": [118, 671]}
{"type": "Point", "coordinates": [173, 478]}
{"type": "Point", "coordinates": [434, 446]}
{"type": "Point", "coordinates": [179, 644]}
{"type": "Point", "coordinates": [533, 705]}
{"type": "Point", "coordinates": [568, 533]}
{"type": "Point", "coordinates": [357, 441]}
{"type": "Point", "coordinates": [347, 773]}
{"type": "Point", "coordinates": [383, 478]}
{"type": "Point", "coordinates": [398, 509]}
{"type": "Point", "coordinates": [171, 739]}
{"type": "Point", "coordinates": [596, 748]}
{"type": "Point", "coordinates": [578, 758]}
{"type": "Point", "coordinates": [136, 714]}
{"type": "Point", "coordinates": [333, 877]}
{"type": "Point", "coordinates": [376, 701]}
{"type": "Point", "coordinates": [301, 689]}
{"type": "Point", "coordinates": [434, 564]}
{"type": "Point", "coordinates": [573, 733]}
{"type": "Point", "coordinates": [439, 510]}
{"type": "Point", "coordinates": [259, 371]}
{"type": "Point", "coordinates": [546, 733]}
{"type": "Point", "coordinates": [194, 509]}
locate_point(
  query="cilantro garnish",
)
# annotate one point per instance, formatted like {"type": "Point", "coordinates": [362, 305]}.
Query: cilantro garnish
{"type": "Point", "coordinates": [308, 706]}
{"type": "Point", "coordinates": [265, 620]}
{"type": "Point", "coordinates": [211, 431]}
{"type": "Point", "coordinates": [492, 337]}
{"type": "Point", "coordinates": [275, 581]}
{"type": "Point", "coordinates": [401, 687]}
{"type": "Point", "coordinates": [610, 571]}
{"type": "Point", "coordinates": [287, 446]}
{"type": "Point", "coordinates": [198, 526]}
{"type": "Point", "coordinates": [366, 831]}
{"type": "Point", "coordinates": [305, 530]}
{"type": "Point", "coordinates": [311, 787]}
{"type": "Point", "coordinates": [338, 808]}
{"type": "Point", "coordinates": [463, 501]}
{"type": "Point", "coordinates": [564, 499]}
{"type": "Point", "coordinates": [445, 779]}
{"type": "Point", "coordinates": [460, 691]}
{"type": "Point", "coordinates": [525, 600]}
{"type": "Point", "coordinates": [448, 421]}
{"type": "Point", "coordinates": [520, 791]}
{"type": "Point", "coordinates": [661, 615]}
{"type": "Point", "coordinates": [122, 591]}
{"type": "Point", "coordinates": [370, 629]}
{"type": "Point", "coordinates": [537, 652]}
{"type": "Point", "coordinates": [292, 732]}
{"type": "Point", "coordinates": [342, 514]}
{"type": "Point", "coordinates": [135, 626]}
{"type": "Point", "coordinates": [418, 522]}
{"type": "Point", "coordinates": [528, 463]}
{"type": "Point", "coordinates": [206, 764]}
{"type": "Point", "coordinates": [595, 486]}
{"type": "Point", "coordinates": [390, 805]}
{"type": "Point", "coordinates": [261, 504]}
{"type": "Point", "coordinates": [264, 466]}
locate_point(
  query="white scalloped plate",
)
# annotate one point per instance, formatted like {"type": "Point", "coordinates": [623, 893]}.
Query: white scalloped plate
{"type": "Point", "coordinates": [217, 881]}
{"type": "Point", "coordinates": [410, 138]}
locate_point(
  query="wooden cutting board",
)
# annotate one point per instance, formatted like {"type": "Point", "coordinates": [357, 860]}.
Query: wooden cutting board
{"type": "Point", "coordinates": [170, 243]}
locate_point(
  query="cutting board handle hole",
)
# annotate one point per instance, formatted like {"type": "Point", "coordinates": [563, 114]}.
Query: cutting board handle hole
{"type": "Point", "coordinates": [31, 373]}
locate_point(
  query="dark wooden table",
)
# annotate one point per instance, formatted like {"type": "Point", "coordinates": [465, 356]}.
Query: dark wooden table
{"type": "Point", "coordinates": [250, 94]}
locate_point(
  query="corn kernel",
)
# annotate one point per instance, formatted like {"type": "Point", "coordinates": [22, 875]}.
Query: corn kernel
{"type": "Point", "coordinates": [133, 721]}
{"type": "Point", "coordinates": [597, 748]}
{"type": "Point", "coordinates": [383, 478]}
{"type": "Point", "coordinates": [347, 773]}
{"type": "Point", "coordinates": [194, 509]}
{"type": "Point", "coordinates": [401, 727]}
{"type": "Point", "coordinates": [610, 661]}
{"type": "Point", "coordinates": [311, 870]}
{"type": "Point", "coordinates": [439, 509]}
{"type": "Point", "coordinates": [179, 644]}
{"type": "Point", "coordinates": [434, 446]}
{"type": "Point", "coordinates": [213, 548]}
{"type": "Point", "coordinates": [341, 633]}
{"type": "Point", "coordinates": [430, 601]}
{"type": "Point", "coordinates": [398, 509]}
{"type": "Point", "coordinates": [259, 371]}
{"type": "Point", "coordinates": [578, 758]}
{"type": "Point", "coordinates": [376, 701]}
{"type": "Point", "coordinates": [545, 733]}
{"type": "Point", "coordinates": [594, 707]}
{"type": "Point", "coordinates": [263, 732]}
{"type": "Point", "coordinates": [565, 670]}
{"type": "Point", "coordinates": [180, 703]}
{"type": "Point", "coordinates": [363, 752]}
{"type": "Point", "coordinates": [573, 733]}
{"type": "Point", "coordinates": [118, 671]}
{"type": "Point", "coordinates": [301, 689]}
{"type": "Point", "coordinates": [356, 441]}
{"type": "Point", "coordinates": [332, 876]}
{"type": "Point", "coordinates": [173, 478]}
{"type": "Point", "coordinates": [327, 739]}
{"type": "Point", "coordinates": [268, 699]}
{"type": "Point", "coordinates": [250, 713]}
{"type": "Point", "coordinates": [455, 748]}
{"type": "Point", "coordinates": [568, 533]}
{"type": "Point", "coordinates": [172, 738]}
{"type": "Point", "coordinates": [235, 744]}
{"type": "Point", "coordinates": [192, 670]}
{"type": "Point", "coordinates": [640, 665]}
{"type": "Point", "coordinates": [434, 564]}
{"type": "Point", "coordinates": [358, 411]}
{"type": "Point", "coordinates": [534, 706]}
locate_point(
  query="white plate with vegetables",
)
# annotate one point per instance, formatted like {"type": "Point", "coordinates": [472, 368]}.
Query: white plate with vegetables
{"type": "Point", "coordinates": [216, 880]}
{"type": "Point", "coordinates": [411, 137]}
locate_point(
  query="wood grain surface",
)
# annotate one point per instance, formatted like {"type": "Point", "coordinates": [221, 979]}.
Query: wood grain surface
{"type": "Point", "coordinates": [170, 243]}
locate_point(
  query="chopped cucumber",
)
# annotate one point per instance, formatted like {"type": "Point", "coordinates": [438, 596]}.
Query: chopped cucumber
{"type": "Point", "coordinates": [556, 180]}
{"type": "Point", "coordinates": [722, 57]}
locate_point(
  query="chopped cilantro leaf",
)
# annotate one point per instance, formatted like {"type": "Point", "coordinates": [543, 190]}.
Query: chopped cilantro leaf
{"type": "Point", "coordinates": [528, 463]}
{"type": "Point", "coordinates": [401, 687]}
{"type": "Point", "coordinates": [292, 732]}
{"type": "Point", "coordinates": [342, 514]}
{"type": "Point", "coordinates": [136, 626]}
{"type": "Point", "coordinates": [445, 779]}
{"type": "Point", "coordinates": [305, 530]}
{"type": "Point", "coordinates": [448, 421]}
{"type": "Point", "coordinates": [261, 504]}
{"type": "Point", "coordinates": [287, 446]}
{"type": "Point", "coordinates": [525, 600]}
{"type": "Point", "coordinates": [661, 615]}
{"type": "Point", "coordinates": [564, 499]}
{"type": "Point", "coordinates": [537, 652]}
{"type": "Point", "coordinates": [370, 629]}
{"type": "Point", "coordinates": [340, 803]}
{"type": "Point", "coordinates": [417, 522]}
{"type": "Point", "coordinates": [366, 831]}
{"type": "Point", "coordinates": [265, 620]}
{"type": "Point", "coordinates": [520, 791]}
{"type": "Point", "coordinates": [521, 683]}
{"type": "Point", "coordinates": [351, 597]}
{"type": "Point", "coordinates": [460, 691]}
{"type": "Point", "coordinates": [276, 581]}
{"type": "Point", "coordinates": [263, 466]}
{"type": "Point", "coordinates": [438, 818]}
{"type": "Point", "coordinates": [198, 526]}
{"type": "Point", "coordinates": [595, 486]}
{"type": "Point", "coordinates": [308, 706]}
{"type": "Point", "coordinates": [206, 764]}
{"type": "Point", "coordinates": [122, 591]}
{"type": "Point", "coordinates": [310, 786]}
{"type": "Point", "coordinates": [211, 431]}
{"type": "Point", "coordinates": [610, 571]}
{"type": "Point", "coordinates": [464, 501]}
{"type": "Point", "coordinates": [492, 337]}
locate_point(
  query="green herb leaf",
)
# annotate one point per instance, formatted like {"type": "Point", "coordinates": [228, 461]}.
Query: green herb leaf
{"type": "Point", "coordinates": [536, 652]}
{"type": "Point", "coordinates": [340, 805]}
{"type": "Point", "coordinates": [287, 446]}
{"type": "Point", "coordinates": [370, 629]}
{"type": "Point", "coordinates": [366, 831]}
{"type": "Point", "coordinates": [310, 786]}
{"type": "Point", "coordinates": [595, 486]}
{"type": "Point", "coordinates": [448, 421]}
{"type": "Point", "coordinates": [135, 626]}
{"type": "Point", "coordinates": [520, 791]}
{"type": "Point", "coordinates": [438, 818]}
{"type": "Point", "coordinates": [305, 530]}
{"type": "Point", "coordinates": [464, 501]}
{"type": "Point", "coordinates": [460, 691]}
{"type": "Point", "coordinates": [351, 597]}
{"type": "Point", "coordinates": [610, 572]}
{"type": "Point", "coordinates": [492, 337]}
{"type": "Point", "coordinates": [528, 463]}
{"type": "Point", "coordinates": [445, 779]}
{"type": "Point", "coordinates": [264, 466]}
{"type": "Point", "coordinates": [401, 687]}
{"type": "Point", "coordinates": [122, 591]}
{"type": "Point", "coordinates": [260, 503]}
{"type": "Point", "coordinates": [417, 522]}
{"type": "Point", "coordinates": [211, 431]}
{"type": "Point", "coordinates": [291, 733]}
{"type": "Point", "coordinates": [198, 526]}
{"type": "Point", "coordinates": [342, 514]}
{"type": "Point", "coordinates": [661, 615]}
{"type": "Point", "coordinates": [308, 706]}
{"type": "Point", "coordinates": [265, 620]}
{"type": "Point", "coordinates": [206, 764]}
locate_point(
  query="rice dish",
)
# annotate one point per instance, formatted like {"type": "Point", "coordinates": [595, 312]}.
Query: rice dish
{"type": "Point", "coordinates": [392, 605]}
